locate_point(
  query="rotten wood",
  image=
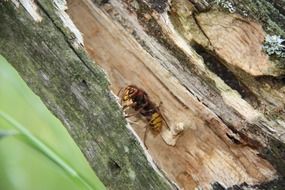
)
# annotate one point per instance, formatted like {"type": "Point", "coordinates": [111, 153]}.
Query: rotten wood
{"type": "Point", "coordinates": [223, 133]}
{"type": "Point", "coordinates": [233, 122]}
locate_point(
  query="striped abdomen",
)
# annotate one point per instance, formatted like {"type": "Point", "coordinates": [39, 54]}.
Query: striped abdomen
{"type": "Point", "coordinates": [155, 122]}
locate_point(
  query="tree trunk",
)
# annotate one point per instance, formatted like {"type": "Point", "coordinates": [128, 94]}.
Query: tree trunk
{"type": "Point", "coordinates": [202, 59]}
{"type": "Point", "coordinates": [49, 58]}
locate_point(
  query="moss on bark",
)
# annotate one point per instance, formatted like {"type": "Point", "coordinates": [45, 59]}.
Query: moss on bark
{"type": "Point", "coordinates": [76, 91]}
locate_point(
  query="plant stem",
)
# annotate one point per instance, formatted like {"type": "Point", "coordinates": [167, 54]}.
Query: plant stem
{"type": "Point", "coordinates": [45, 149]}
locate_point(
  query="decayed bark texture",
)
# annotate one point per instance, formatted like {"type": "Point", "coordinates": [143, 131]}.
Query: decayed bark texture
{"type": "Point", "coordinates": [76, 91]}
{"type": "Point", "coordinates": [213, 77]}
{"type": "Point", "coordinates": [205, 64]}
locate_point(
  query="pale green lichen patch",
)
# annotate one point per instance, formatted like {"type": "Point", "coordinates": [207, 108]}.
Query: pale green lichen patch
{"type": "Point", "coordinates": [226, 4]}
{"type": "Point", "coordinates": [132, 174]}
{"type": "Point", "coordinates": [273, 45]}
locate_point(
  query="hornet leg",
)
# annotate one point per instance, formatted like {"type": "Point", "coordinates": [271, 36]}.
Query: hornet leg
{"type": "Point", "coordinates": [145, 135]}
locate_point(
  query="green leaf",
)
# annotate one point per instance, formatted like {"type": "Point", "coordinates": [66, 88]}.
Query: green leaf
{"type": "Point", "coordinates": [7, 133]}
{"type": "Point", "coordinates": [45, 149]}
{"type": "Point", "coordinates": [43, 156]}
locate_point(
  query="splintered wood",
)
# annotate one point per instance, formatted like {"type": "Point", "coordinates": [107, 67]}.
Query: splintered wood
{"type": "Point", "coordinates": [203, 153]}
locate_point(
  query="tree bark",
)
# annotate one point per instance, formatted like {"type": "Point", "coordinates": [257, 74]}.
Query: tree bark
{"type": "Point", "coordinates": [76, 90]}
{"type": "Point", "coordinates": [201, 59]}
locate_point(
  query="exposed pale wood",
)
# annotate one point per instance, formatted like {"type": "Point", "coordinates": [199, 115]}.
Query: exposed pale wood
{"type": "Point", "coordinates": [206, 152]}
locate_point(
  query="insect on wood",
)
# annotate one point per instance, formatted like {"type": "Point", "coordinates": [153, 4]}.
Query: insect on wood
{"type": "Point", "coordinates": [137, 99]}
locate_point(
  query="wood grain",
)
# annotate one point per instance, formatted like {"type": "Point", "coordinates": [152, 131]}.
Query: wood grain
{"type": "Point", "coordinates": [204, 153]}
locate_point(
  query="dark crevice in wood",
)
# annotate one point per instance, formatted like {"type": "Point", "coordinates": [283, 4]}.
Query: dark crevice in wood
{"type": "Point", "coordinates": [276, 184]}
{"type": "Point", "coordinates": [245, 140]}
{"type": "Point", "coordinates": [233, 139]}
{"type": "Point", "coordinates": [158, 5]}
{"type": "Point", "coordinates": [84, 84]}
{"type": "Point", "coordinates": [274, 82]}
{"type": "Point", "coordinates": [202, 31]}
{"type": "Point", "coordinates": [201, 6]}
{"type": "Point", "coordinates": [275, 153]}
{"type": "Point", "coordinates": [114, 167]}
{"type": "Point", "coordinates": [216, 66]}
